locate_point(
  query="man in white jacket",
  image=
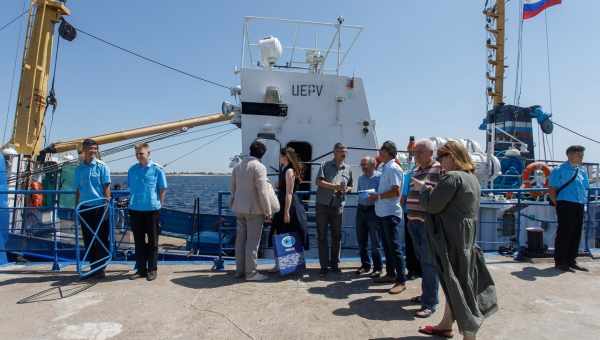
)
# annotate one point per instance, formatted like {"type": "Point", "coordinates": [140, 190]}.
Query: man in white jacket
{"type": "Point", "coordinates": [252, 204]}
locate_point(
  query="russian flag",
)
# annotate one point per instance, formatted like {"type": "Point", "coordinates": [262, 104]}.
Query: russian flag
{"type": "Point", "coordinates": [532, 8]}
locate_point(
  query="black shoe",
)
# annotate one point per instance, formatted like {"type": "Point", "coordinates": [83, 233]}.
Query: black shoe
{"type": "Point", "coordinates": [385, 279]}
{"type": "Point", "coordinates": [137, 275]}
{"type": "Point", "coordinates": [362, 270]}
{"type": "Point", "coordinates": [375, 274]}
{"type": "Point", "coordinates": [151, 275]}
{"type": "Point", "coordinates": [335, 269]}
{"type": "Point", "coordinates": [323, 272]}
{"type": "Point", "coordinates": [577, 267]}
{"type": "Point", "coordinates": [99, 275]}
{"type": "Point", "coordinates": [564, 268]}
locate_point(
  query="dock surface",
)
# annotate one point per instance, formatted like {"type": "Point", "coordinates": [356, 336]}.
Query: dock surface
{"type": "Point", "coordinates": [192, 302]}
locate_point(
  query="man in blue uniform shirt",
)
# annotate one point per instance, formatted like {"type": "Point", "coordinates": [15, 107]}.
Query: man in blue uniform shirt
{"type": "Point", "coordinates": [568, 190]}
{"type": "Point", "coordinates": [92, 185]}
{"type": "Point", "coordinates": [147, 184]}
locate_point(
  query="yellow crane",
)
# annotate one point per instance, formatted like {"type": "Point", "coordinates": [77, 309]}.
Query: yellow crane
{"type": "Point", "coordinates": [28, 130]}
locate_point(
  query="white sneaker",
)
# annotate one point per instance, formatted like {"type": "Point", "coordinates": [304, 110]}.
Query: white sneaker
{"type": "Point", "coordinates": [257, 277]}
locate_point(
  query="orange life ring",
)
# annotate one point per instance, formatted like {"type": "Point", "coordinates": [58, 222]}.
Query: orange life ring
{"type": "Point", "coordinates": [37, 200]}
{"type": "Point", "coordinates": [529, 172]}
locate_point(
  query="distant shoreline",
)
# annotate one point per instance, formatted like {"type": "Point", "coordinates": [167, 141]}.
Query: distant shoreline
{"type": "Point", "coordinates": [176, 174]}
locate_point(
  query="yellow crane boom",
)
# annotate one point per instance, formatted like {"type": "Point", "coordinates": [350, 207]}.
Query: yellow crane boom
{"type": "Point", "coordinates": [141, 132]}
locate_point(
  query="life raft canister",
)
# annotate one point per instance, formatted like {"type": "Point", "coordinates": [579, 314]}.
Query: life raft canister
{"type": "Point", "coordinates": [36, 199]}
{"type": "Point", "coordinates": [531, 177]}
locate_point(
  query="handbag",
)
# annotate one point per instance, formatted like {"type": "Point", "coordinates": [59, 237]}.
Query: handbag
{"type": "Point", "coordinates": [289, 253]}
{"type": "Point", "coordinates": [272, 198]}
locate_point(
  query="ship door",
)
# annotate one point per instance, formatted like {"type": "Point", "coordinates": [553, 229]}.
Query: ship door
{"type": "Point", "coordinates": [304, 151]}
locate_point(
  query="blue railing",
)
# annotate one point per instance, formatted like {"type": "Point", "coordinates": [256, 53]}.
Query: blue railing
{"type": "Point", "coordinates": [521, 199]}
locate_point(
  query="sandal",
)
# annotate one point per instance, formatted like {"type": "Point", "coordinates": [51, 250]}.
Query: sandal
{"type": "Point", "coordinates": [432, 330]}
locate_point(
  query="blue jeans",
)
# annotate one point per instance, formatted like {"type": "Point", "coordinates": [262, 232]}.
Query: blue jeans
{"type": "Point", "coordinates": [390, 226]}
{"type": "Point", "coordinates": [430, 282]}
{"type": "Point", "coordinates": [368, 226]}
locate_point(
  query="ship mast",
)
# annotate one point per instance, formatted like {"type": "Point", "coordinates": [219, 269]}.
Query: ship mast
{"type": "Point", "coordinates": [495, 21]}
{"type": "Point", "coordinates": [28, 126]}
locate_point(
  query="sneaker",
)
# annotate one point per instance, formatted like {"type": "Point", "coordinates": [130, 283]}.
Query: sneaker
{"type": "Point", "coordinates": [137, 275]}
{"type": "Point", "coordinates": [362, 270]}
{"type": "Point", "coordinates": [424, 313]}
{"type": "Point", "coordinates": [151, 275]}
{"type": "Point", "coordinates": [257, 277]}
{"type": "Point", "coordinates": [375, 274]}
{"type": "Point", "coordinates": [397, 288]}
{"type": "Point", "coordinates": [385, 279]}
{"type": "Point", "coordinates": [577, 267]}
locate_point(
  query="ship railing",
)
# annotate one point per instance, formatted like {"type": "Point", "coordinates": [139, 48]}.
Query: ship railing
{"type": "Point", "coordinates": [339, 39]}
{"type": "Point", "coordinates": [51, 232]}
{"type": "Point", "coordinates": [45, 232]}
{"type": "Point", "coordinates": [494, 232]}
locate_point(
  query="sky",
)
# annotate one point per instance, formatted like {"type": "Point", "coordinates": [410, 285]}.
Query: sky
{"type": "Point", "coordinates": [423, 64]}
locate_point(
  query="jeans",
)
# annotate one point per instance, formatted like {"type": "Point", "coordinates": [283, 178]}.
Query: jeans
{"type": "Point", "coordinates": [391, 237]}
{"type": "Point", "coordinates": [430, 282]}
{"type": "Point", "coordinates": [368, 226]}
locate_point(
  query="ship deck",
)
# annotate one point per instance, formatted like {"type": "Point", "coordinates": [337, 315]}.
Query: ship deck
{"type": "Point", "coordinates": [192, 302]}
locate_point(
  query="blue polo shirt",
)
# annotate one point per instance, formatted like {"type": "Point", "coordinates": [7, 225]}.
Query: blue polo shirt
{"type": "Point", "coordinates": [145, 183]}
{"type": "Point", "coordinates": [90, 180]}
{"type": "Point", "coordinates": [391, 175]}
{"type": "Point", "coordinates": [577, 191]}
{"type": "Point", "coordinates": [366, 183]}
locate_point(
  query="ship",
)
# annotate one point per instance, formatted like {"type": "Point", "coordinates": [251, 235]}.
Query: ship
{"type": "Point", "coordinates": [288, 95]}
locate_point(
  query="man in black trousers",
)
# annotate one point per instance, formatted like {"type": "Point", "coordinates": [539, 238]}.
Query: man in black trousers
{"type": "Point", "coordinates": [569, 185]}
{"type": "Point", "coordinates": [147, 184]}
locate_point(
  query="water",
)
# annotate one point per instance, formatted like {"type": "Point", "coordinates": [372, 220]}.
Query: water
{"type": "Point", "coordinates": [183, 189]}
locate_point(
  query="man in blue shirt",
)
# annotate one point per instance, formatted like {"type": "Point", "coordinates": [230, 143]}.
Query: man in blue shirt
{"type": "Point", "coordinates": [92, 185]}
{"type": "Point", "coordinates": [568, 190]}
{"type": "Point", "coordinates": [147, 184]}
{"type": "Point", "coordinates": [367, 223]}
{"type": "Point", "coordinates": [387, 207]}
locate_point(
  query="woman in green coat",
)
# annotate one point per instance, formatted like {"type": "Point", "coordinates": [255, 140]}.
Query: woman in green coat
{"type": "Point", "coordinates": [453, 208]}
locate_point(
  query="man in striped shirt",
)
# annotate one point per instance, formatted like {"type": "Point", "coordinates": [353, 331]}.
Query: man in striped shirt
{"type": "Point", "coordinates": [426, 170]}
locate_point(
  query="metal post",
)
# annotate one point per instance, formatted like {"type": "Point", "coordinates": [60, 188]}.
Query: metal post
{"type": "Point", "coordinates": [77, 251]}
{"type": "Point", "coordinates": [518, 236]}
{"type": "Point", "coordinates": [218, 262]}
{"type": "Point", "coordinates": [587, 225]}
{"type": "Point", "coordinates": [55, 265]}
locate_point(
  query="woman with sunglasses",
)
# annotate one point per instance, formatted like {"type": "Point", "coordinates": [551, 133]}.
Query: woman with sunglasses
{"type": "Point", "coordinates": [452, 209]}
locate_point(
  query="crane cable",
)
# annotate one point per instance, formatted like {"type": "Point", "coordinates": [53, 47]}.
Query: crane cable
{"type": "Point", "coordinates": [10, 22]}
{"type": "Point", "coordinates": [154, 61]}
{"type": "Point", "coordinates": [14, 72]}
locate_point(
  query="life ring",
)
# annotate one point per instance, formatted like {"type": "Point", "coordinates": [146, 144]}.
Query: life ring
{"type": "Point", "coordinates": [37, 200]}
{"type": "Point", "coordinates": [530, 171]}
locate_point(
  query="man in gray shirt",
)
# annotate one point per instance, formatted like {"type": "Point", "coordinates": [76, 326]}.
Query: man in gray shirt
{"type": "Point", "coordinates": [333, 182]}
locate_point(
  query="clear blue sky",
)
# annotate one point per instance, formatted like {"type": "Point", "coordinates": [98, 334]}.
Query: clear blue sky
{"type": "Point", "coordinates": [423, 63]}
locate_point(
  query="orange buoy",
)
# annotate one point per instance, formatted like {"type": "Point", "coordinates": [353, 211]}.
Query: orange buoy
{"type": "Point", "coordinates": [532, 176]}
{"type": "Point", "coordinates": [36, 199]}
